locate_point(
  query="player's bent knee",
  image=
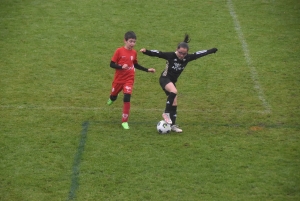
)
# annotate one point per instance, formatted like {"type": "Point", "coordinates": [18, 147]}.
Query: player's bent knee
{"type": "Point", "coordinates": [173, 90]}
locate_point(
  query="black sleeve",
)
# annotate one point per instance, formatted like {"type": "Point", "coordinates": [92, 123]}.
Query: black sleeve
{"type": "Point", "coordinates": [203, 53]}
{"type": "Point", "coordinates": [114, 65]}
{"type": "Point", "coordinates": [139, 67]}
{"type": "Point", "coordinates": [159, 54]}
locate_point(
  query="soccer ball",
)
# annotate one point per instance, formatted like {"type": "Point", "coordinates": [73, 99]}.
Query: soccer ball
{"type": "Point", "coordinates": [163, 127]}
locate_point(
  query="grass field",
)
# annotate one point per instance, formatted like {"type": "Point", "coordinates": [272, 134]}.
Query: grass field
{"type": "Point", "coordinates": [239, 108]}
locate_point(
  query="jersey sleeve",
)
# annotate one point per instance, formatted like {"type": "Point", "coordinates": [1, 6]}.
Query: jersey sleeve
{"type": "Point", "coordinates": [202, 53]}
{"type": "Point", "coordinates": [114, 65]}
{"type": "Point", "coordinates": [115, 57]}
{"type": "Point", "coordinates": [157, 53]}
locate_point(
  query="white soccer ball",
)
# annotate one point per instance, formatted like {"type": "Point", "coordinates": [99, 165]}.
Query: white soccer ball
{"type": "Point", "coordinates": [163, 127]}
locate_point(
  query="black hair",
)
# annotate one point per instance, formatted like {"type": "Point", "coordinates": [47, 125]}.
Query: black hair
{"type": "Point", "coordinates": [129, 34]}
{"type": "Point", "coordinates": [185, 42]}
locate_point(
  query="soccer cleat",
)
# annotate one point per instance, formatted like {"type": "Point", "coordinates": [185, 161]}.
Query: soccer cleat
{"type": "Point", "coordinates": [109, 102]}
{"type": "Point", "coordinates": [167, 118]}
{"type": "Point", "coordinates": [175, 128]}
{"type": "Point", "coordinates": [125, 125]}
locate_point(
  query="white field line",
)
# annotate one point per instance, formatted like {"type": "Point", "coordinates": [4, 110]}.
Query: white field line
{"type": "Point", "coordinates": [253, 71]}
{"type": "Point", "coordinates": [118, 109]}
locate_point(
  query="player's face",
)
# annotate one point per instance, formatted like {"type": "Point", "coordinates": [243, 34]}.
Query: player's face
{"type": "Point", "coordinates": [181, 53]}
{"type": "Point", "coordinates": [130, 43]}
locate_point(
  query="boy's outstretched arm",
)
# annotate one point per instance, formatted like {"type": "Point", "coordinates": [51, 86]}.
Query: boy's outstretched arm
{"type": "Point", "coordinates": [139, 67]}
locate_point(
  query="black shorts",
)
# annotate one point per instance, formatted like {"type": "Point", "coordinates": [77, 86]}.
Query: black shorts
{"type": "Point", "coordinates": [163, 81]}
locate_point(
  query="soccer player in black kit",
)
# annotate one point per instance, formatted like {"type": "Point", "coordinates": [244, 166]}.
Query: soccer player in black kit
{"type": "Point", "coordinates": [175, 64]}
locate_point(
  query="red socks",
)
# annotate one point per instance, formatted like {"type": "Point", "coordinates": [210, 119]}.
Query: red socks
{"type": "Point", "coordinates": [126, 109]}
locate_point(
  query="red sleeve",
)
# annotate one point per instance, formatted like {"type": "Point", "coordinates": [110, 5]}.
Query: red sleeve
{"type": "Point", "coordinates": [116, 57]}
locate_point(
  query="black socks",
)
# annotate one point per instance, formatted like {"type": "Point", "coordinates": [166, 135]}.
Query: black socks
{"type": "Point", "coordinates": [170, 108]}
{"type": "Point", "coordinates": [173, 114]}
{"type": "Point", "coordinates": [170, 101]}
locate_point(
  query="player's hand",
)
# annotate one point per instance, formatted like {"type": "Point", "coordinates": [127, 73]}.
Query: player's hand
{"type": "Point", "coordinates": [143, 50]}
{"type": "Point", "coordinates": [125, 67]}
{"type": "Point", "coordinates": [152, 70]}
{"type": "Point", "coordinates": [214, 50]}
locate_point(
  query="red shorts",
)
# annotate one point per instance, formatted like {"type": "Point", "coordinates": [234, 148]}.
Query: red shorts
{"type": "Point", "coordinates": [117, 88]}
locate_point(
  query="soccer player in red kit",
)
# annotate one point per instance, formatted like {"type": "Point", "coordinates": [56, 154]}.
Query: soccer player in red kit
{"type": "Point", "coordinates": [124, 61]}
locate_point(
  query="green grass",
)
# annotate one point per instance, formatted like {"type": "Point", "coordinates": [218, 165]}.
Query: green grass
{"type": "Point", "coordinates": [55, 76]}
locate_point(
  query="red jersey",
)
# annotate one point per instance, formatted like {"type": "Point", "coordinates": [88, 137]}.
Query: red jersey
{"type": "Point", "coordinates": [124, 56]}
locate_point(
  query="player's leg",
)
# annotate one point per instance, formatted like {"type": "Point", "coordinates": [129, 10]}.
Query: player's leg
{"type": "Point", "coordinates": [171, 91]}
{"type": "Point", "coordinates": [116, 88]}
{"type": "Point", "coordinates": [173, 116]}
{"type": "Point", "coordinates": [111, 99]}
{"type": "Point", "coordinates": [171, 106]}
{"type": "Point", "coordinates": [127, 89]}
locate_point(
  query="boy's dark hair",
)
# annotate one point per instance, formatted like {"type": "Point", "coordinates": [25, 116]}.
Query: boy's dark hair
{"type": "Point", "coordinates": [185, 42]}
{"type": "Point", "coordinates": [129, 34]}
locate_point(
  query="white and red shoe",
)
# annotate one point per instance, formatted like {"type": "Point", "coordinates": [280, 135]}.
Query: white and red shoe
{"type": "Point", "coordinates": [167, 118]}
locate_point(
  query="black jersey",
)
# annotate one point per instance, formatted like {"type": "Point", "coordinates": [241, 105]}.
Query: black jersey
{"type": "Point", "coordinates": [174, 65]}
